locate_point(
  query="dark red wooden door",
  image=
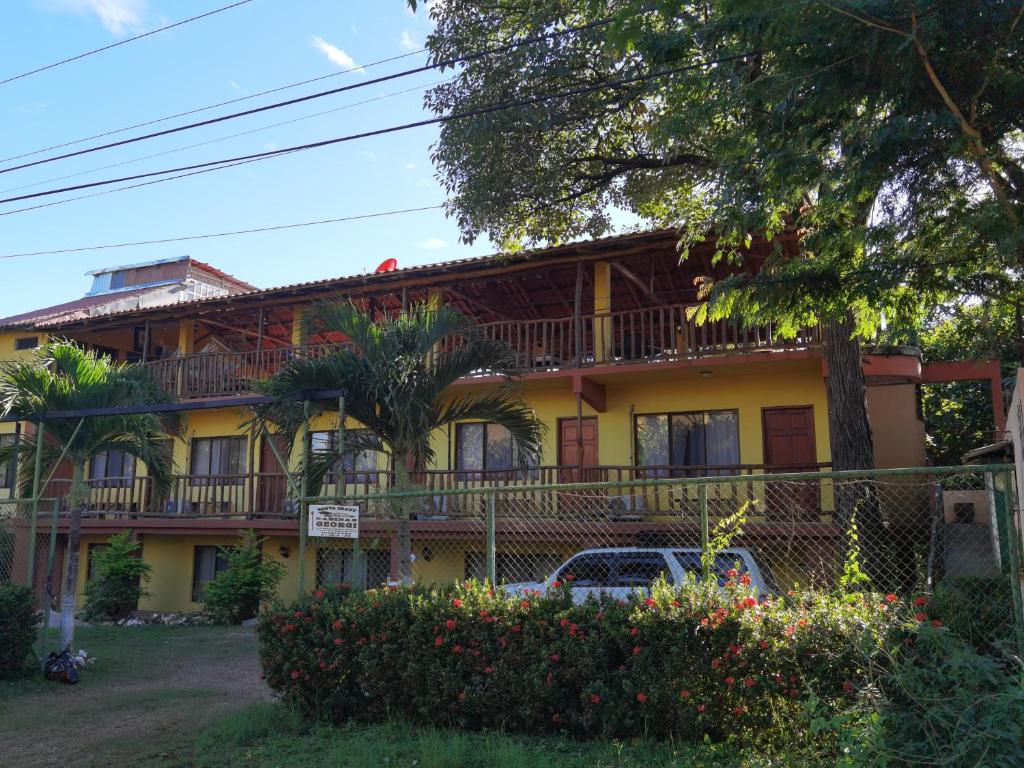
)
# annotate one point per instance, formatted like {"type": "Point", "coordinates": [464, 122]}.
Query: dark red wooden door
{"type": "Point", "coordinates": [273, 481]}
{"type": "Point", "coordinates": [578, 468]}
{"type": "Point", "coordinates": [789, 446]}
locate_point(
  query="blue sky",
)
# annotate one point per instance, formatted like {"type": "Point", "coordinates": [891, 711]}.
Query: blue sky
{"type": "Point", "coordinates": [264, 44]}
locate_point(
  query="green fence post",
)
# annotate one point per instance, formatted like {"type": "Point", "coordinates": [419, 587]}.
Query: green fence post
{"type": "Point", "coordinates": [37, 491]}
{"type": "Point", "coordinates": [1013, 541]}
{"type": "Point", "coordinates": [492, 560]}
{"type": "Point", "coordinates": [705, 535]}
{"type": "Point", "coordinates": [304, 500]}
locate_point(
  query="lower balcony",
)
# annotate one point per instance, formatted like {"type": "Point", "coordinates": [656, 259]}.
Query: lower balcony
{"type": "Point", "coordinates": [619, 494]}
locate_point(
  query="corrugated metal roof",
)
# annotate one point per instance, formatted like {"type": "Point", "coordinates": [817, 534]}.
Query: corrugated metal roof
{"type": "Point", "coordinates": [69, 310]}
{"type": "Point", "coordinates": [367, 278]}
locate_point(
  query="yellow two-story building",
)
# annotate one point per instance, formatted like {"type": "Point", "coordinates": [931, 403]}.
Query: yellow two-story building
{"type": "Point", "coordinates": [609, 356]}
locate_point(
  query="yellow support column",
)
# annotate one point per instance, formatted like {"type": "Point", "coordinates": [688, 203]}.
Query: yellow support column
{"type": "Point", "coordinates": [298, 334]}
{"type": "Point", "coordinates": [602, 310]}
{"type": "Point", "coordinates": [186, 337]}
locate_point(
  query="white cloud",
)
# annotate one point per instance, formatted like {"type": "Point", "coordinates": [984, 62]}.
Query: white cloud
{"type": "Point", "coordinates": [410, 166]}
{"type": "Point", "coordinates": [118, 16]}
{"type": "Point", "coordinates": [335, 55]}
{"type": "Point", "coordinates": [407, 42]}
{"type": "Point", "coordinates": [432, 244]}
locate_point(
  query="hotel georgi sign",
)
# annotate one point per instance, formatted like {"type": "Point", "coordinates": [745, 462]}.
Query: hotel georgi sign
{"type": "Point", "coordinates": [333, 521]}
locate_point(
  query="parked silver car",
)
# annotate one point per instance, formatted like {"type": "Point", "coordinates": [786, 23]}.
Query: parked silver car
{"type": "Point", "coordinates": [619, 571]}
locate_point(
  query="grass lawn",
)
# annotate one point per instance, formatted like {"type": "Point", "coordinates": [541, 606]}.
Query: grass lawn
{"type": "Point", "coordinates": [191, 696]}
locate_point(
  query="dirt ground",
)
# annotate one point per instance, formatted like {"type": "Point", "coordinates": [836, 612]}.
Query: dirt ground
{"type": "Point", "coordinates": [149, 692]}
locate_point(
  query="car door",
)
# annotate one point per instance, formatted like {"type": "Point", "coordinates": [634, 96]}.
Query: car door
{"type": "Point", "coordinates": [638, 570]}
{"type": "Point", "coordinates": [588, 574]}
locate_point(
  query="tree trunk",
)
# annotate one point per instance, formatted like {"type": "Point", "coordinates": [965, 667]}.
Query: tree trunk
{"type": "Point", "coordinates": [850, 439]}
{"type": "Point", "coordinates": [400, 511]}
{"type": "Point", "coordinates": [77, 500]}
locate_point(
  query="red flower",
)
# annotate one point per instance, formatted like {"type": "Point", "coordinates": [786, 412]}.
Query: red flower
{"type": "Point", "coordinates": [745, 579]}
{"type": "Point", "coordinates": [641, 697]}
{"type": "Point", "coordinates": [732, 573]}
{"type": "Point", "coordinates": [337, 641]}
{"type": "Point", "coordinates": [936, 623]}
{"type": "Point", "coordinates": [450, 624]}
{"type": "Point", "coordinates": [563, 623]}
{"type": "Point", "coordinates": [636, 649]}
{"type": "Point", "coordinates": [337, 624]}
{"type": "Point", "coordinates": [790, 631]}
{"type": "Point", "coordinates": [456, 649]}
{"type": "Point", "coordinates": [848, 686]}
{"type": "Point", "coordinates": [701, 707]}
{"type": "Point", "coordinates": [650, 603]}
{"type": "Point", "coordinates": [749, 602]}
{"type": "Point", "coordinates": [599, 615]}
{"type": "Point", "coordinates": [740, 710]}
{"type": "Point", "coordinates": [684, 694]}
{"type": "Point", "coordinates": [634, 631]}
{"type": "Point", "coordinates": [920, 601]}
{"type": "Point", "coordinates": [556, 584]}
{"type": "Point", "coordinates": [716, 663]}
{"type": "Point", "coordinates": [750, 682]}
{"type": "Point", "coordinates": [457, 602]}
{"type": "Point", "coordinates": [730, 680]}
{"type": "Point", "coordinates": [298, 614]}
{"type": "Point", "coordinates": [556, 717]}
{"type": "Point", "coordinates": [438, 641]}
{"type": "Point", "coordinates": [920, 616]}
{"type": "Point", "coordinates": [555, 658]}
{"type": "Point", "coordinates": [763, 644]}
{"type": "Point", "coordinates": [488, 670]}
{"type": "Point", "coordinates": [595, 698]}
{"type": "Point", "coordinates": [462, 696]}
{"type": "Point", "coordinates": [295, 674]}
{"type": "Point", "coordinates": [525, 605]}
{"type": "Point", "coordinates": [569, 577]}
{"type": "Point", "coordinates": [891, 598]}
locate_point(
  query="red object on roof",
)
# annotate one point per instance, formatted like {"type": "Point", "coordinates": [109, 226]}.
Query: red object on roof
{"type": "Point", "coordinates": [388, 265]}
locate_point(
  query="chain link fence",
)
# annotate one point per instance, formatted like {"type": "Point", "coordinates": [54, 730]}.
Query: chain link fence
{"type": "Point", "coordinates": [24, 548]}
{"type": "Point", "coordinates": [951, 533]}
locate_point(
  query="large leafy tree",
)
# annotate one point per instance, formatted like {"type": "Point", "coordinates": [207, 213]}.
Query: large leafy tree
{"type": "Point", "coordinates": [397, 371]}
{"type": "Point", "coordinates": [887, 135]}
{"type": "Point", "coordinates": [63, 377]}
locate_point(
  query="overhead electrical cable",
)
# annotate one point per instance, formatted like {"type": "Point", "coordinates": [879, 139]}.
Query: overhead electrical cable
{"type": "Point", "coordinates": [320, 94]}
{"type": "Point", "coordinates": [226, 138]}
{"type": "Point", "coordinates": [247, 97]}
{"type": "Point", "coordinates": [229, 233]}
{"type": "Point", "coordinates": [390, 129]}
{"type": "Point", "coordinates": [123, 42]}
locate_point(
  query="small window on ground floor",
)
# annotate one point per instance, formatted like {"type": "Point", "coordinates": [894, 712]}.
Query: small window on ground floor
{"type": "Point", "coordinates": [207, 562]}
{"type": "Point", "coordinates": [513, 567]}
{"type": "Point", "coordinates": [668, 443]}
{"type": "Point", "coordinates": [23, 343]}
{"type": "Point", "coordinates": [334, 567]}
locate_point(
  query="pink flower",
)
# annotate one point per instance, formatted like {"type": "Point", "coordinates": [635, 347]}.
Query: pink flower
{"type": "Point", "coordinates": [634, 631]}
{"type": "Point", "coordinates": [701, 707]}
{"type": "Point", "coordinates": [684, 694]}
{"type": "Point", "coordinates": [750, 682]}
{"type": "Point", "coordinates": [641, 697]}
{"type": "Point", "coordinates": [730, 680]}
{"type": "Point", "coordinates": [488, 670]}
{"type": "Point", "coordinates": [457, 603]}
{"type": "Point", "coordinates": [450, 624]}
{"type": "Point", "coordinates": [438, 641]}
{"type": "Point", "coordinates": [295, 674]}
{"type": "Point", "coordinates": [595, 698]}
{"type": "Point", "coordinates": [555, 658]}
{"type": "Point", "coordinates": [636, 649]}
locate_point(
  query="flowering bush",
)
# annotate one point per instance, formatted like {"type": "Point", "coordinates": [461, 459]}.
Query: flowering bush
{"type": "Point", "coordinates": [684, 663]}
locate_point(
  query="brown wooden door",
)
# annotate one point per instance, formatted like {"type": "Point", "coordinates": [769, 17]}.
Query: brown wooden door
{"type": "Point", "coordinates": [272, 488]}
{"type": "Point", "coordinates": [789, 446]}
{"type": "Point", "coordinates": [578, 468]}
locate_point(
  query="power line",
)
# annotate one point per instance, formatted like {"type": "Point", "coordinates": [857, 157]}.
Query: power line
{"type": "Point", "coordinates": [321, 94]}
{"type": "Point", "coordinates": [390, 129]}
{"type": "Point", "coordinates": [123, 42]}
{"type": "Point", "coordinates": [229, 233]}
{"type": "Point", "coordinates": [225, 138]}
{"type": "Point", "coordinates": [213, 106]}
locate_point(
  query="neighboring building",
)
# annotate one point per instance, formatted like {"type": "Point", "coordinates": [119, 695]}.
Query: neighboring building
{"type": "Point", "coordinates": [611, 360]}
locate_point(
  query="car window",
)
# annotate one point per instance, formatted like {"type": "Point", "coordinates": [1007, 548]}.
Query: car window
{"type": "Point", "coordinates": [690, 563]}
{"type": "Point", "coordinates": [640, 569]}
{"type": "Point", "coordinates": [590, 570]}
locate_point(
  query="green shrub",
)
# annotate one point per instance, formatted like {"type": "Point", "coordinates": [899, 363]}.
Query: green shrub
{"type": "Point", "coordinates": [116, 585]}
{"type": "Point", "coordinates": [944, 704]}
{"type": "Point", "coordinates": [690, 664]}
{"type": "Point", "coordinates": [236, 593]}
{"type": "Point", "coordinates": [977, 610]}
{"type": "Point", "coordinates": [18, 620]}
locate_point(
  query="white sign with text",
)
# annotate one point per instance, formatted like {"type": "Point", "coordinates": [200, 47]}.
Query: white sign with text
{"type": "Point", "coordinates": [333, 521]}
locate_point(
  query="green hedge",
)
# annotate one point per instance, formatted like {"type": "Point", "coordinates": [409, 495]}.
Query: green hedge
{"type": "Point", "coordinates": [685, 664]}
{"type": "Point", "coordinates": [18, 621]}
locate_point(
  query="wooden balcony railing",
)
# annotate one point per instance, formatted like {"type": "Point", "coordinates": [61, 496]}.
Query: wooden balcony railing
{"type": "Point", "coordinates": [635, 336]}
{"type": "Point", "coordinates": [525, 493]}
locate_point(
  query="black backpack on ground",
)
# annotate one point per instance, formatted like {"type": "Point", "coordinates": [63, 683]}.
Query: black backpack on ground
{"type": "Point", "coordinates": [61, 668]}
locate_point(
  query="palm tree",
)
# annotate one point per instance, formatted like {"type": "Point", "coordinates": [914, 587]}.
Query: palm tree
{"type": "Point", "coordinates": [64, 377]}
{"type": "Point", "coordinates": [396, 372]}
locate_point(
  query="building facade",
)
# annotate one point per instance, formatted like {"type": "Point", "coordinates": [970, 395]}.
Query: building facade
{"type": "Point", "coordinates": [627, 383]}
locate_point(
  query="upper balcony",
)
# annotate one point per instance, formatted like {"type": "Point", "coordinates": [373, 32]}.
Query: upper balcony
{"type": "Point", "coordinates": [649, 336]}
